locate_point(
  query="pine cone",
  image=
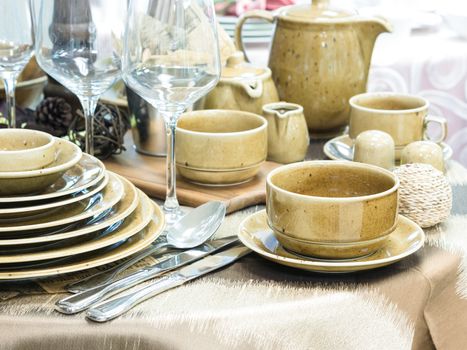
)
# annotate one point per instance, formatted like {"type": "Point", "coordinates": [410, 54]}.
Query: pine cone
{"type": "Point", "coordinates": [56, 113]}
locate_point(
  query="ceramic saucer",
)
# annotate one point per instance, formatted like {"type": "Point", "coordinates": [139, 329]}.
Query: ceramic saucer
{"type": "Point", "coordinates": [132, 245]}
{"type": "Point", "coordinates": [333, 151]}
{"type": "Point", "coordinates": [132, 225]}
{"type": "Point", "coordinates": [119, 212]}
{"type": "Point", "coordinates": [25, 211]}
{"type": "Point", "coordinates": [86, 173]}
{"type": "Point", "coordinates": [21, 182]}
{"type": "Point", "coordinates": [110, 195]}
{"type": "Point", "coordinates": [406, 239]}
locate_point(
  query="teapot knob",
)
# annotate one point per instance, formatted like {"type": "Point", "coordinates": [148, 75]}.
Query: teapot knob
{"type": "Point", "coordinates": [235, 59]}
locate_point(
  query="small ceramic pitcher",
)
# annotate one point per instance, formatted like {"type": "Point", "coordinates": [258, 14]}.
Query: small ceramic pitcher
{"type": "Point", "coordinates": [288, 137]}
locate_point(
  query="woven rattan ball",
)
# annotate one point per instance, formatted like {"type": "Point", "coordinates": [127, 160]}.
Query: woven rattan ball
{"type": "Point", "coordinates": [425, 195]}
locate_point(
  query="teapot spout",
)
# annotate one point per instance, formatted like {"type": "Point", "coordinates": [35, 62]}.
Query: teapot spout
{"type": "Point", "coordinates": [369, 29]}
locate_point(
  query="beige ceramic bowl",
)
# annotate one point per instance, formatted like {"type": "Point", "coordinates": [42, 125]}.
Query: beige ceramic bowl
{"type": "Point", "coordinates": [220, 147]}
{"type": "Point", "coordinates": [332, 209]}
{"type": "Point", "coordinates": [23, 149]}
{"type": "Point", "coordinates": [32, 181]}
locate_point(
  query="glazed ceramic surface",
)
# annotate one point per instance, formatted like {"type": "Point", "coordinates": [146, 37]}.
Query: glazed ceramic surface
{"type": "Point", "coordinates": [32, 181]}
{"type": "Point", "coordinates": [74, 212]}
{"type": "Point", "coordinates": [25, 211]}
{"type": "Point", "coordinates": [332, 209]}
{"type": "Point", "coordinates": [332, 149]}
{"type": "Point", "coordinates": [375, 147]}
{"type": "Point", "coordinates": [426, 152]}
{"type": "Point", "coordinates": [132, 245]}
{"type": "Point", "coordinates": [220, 146]}
{"type": "Point", "coordinates": [319, 58]}
{"type": "Point", "coordinates": [132, 225]}
{"type": "Point", "coordinates": [24, 149]}
{"type": "Point", "coordinates": [405, 240]}
{"type": "Point", "coordinates": [117, 213]}
{"type": "Point", "coordinates": [86, 173]}
{"type": "Point", "coordinates": [242, 87]}
{"type": "Point", "coordinates": [404, 117]}
{"type": "Point", "coordinates": [288, 138]}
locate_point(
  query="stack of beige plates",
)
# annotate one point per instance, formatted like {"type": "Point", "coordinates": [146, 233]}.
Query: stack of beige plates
{"type": "Point", "coordinates": [70, 216]}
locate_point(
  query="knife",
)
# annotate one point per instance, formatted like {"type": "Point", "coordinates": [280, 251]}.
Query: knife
{"type": "Point", "coordinates": [83, 300]}
{"type": "Point", "coordinates": [113, 308]}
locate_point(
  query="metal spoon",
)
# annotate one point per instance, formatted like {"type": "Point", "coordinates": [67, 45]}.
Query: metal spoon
{"type": "Point", "coordinates": [193, 229]}
{"type": "Point", "coordinates": [342, 150]}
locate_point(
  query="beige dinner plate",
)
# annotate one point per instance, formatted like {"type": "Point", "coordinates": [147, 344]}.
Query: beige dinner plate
{"type": "Point", "coordinates": [132, 245]}
{"type": "Point", "coordinates": [130, 226]}
{"type": "Point", "coordinates": [118, 213]}
{"type": "Point", "coordinates": [334, 154]}
{"type": "Point", "coordinates": [26, 182]}
{"type": "Point", "coordinates": [86, 173]}
{"type": "Point", "coordinates": [36, 209]}
{"type": "Point", "coordinates": [110, 195]}
{"type": "Point", "coordinates": [255, 233]}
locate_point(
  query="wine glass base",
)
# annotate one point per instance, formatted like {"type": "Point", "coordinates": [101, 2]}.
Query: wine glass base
{"type": "Point", "coordinates": [172, 215]}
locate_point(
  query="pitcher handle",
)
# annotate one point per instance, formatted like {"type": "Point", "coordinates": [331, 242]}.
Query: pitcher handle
{"type": "Point", "coordinates": [443, 124]}
{"type": "Point", "coordinates": [261, 14]}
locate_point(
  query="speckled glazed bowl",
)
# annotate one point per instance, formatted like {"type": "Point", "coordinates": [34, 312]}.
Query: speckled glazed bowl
{"type": "Point", "coordinates": [32, 181]}
{"type": "Point", "coordinates": [220, 147]}
{"type": "Point", "coordinates": [23, 149]}
{"type": "Point", "coordinates": [332, 210]}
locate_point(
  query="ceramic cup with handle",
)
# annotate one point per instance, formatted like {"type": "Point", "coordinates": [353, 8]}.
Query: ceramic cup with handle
{"type": "Point", "coordinates": [404, 117]}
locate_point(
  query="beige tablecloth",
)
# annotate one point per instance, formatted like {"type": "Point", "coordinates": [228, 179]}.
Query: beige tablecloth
{"type": "Point", "coordinates": [419, 303]}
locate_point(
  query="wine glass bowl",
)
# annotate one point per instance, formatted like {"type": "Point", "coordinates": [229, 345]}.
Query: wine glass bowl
{"type": "Point", "coordinates": [16, 47]}
{"type": "Point", "coordinates": [79, 44]}
{"type": "Point", "coordinates": [171, 59]}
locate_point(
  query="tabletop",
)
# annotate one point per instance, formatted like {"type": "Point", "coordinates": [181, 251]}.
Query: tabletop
{"type": "Point", "coordinates": [418, 303]}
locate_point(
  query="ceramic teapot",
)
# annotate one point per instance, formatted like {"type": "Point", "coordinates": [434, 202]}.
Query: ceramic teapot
{"type": "Point", "coordinates": [242, 86]}
{"type": "Point", "coordinates": [319, 58]}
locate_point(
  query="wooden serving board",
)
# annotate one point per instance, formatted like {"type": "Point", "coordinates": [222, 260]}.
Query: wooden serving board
{"type": "Point", "coordinates": [148, 173]}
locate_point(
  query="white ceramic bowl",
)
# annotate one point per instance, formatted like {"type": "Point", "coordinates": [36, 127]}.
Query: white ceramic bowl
{"type": "Point", "coordinates": [23, 150]}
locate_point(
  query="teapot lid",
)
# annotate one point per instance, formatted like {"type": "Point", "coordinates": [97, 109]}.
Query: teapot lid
{"type": "Point", "coordinates": [237, 68]}
{"type": "Point", "coordinates": [318, 10]}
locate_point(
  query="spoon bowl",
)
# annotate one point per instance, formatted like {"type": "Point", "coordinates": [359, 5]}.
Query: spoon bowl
{"type": "Point", "coordinates": [342, 150]}
{"type": "Point", "coordinates": [196, 227]}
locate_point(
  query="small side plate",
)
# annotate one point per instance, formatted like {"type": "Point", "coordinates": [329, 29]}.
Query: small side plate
{"type": "Point", "coordinates": [88, 172]}
{"type": "Point", "coordinates": [255, 233]}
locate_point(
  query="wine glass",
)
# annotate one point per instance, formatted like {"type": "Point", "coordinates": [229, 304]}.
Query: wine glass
{"type": "Point", "coordinates": [79, 44]}
{"type": "Point", "coordinates": [16, 47]}
{"type": "Point", "coordinates": [171, 59]}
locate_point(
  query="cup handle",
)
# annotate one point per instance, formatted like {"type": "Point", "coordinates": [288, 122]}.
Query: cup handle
{"type": "Point", "coordinates": [443, 124]}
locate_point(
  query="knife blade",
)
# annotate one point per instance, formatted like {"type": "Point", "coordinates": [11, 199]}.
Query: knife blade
{"type": "Point", "coordinates": [83, 300]}
{"type": "Point", "coordinates": [113, 308]}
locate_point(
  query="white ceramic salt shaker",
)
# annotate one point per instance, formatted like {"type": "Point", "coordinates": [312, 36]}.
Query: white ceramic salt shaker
{"type": "Point", "coordinates": [375, 147]}
{"type": "Point", "coordinates": [425, 152]}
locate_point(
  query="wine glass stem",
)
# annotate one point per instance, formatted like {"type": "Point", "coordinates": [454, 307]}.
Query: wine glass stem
{"type": "Point", "coordinates": [10, 85]}
{"type": "Point", "coordinates": [89, 106]}
{"type": "Point", "coordinates": [171, 202]}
